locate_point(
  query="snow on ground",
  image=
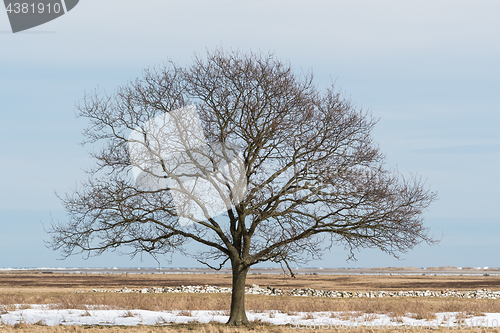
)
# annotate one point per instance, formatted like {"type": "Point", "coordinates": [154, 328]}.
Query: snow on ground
{"type": "Point", "coordinates": [46, 314]}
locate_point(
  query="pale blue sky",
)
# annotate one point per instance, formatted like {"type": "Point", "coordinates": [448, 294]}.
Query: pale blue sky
{"type": "Point", "coordinates": [429, 69]}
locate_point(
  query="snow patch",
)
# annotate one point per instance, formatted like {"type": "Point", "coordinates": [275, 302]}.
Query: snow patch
{"type": "Point", "coordinates": [45, 314]}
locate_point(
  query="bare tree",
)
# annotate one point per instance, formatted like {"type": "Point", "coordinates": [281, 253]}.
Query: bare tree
{"type": "Point", "coordinates": [300, 171]}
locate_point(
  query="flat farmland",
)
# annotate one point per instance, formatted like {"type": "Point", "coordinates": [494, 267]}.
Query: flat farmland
{"type": "Point", "coordinates": [359, 282]}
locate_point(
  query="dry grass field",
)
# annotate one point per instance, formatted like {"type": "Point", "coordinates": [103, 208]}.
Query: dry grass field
{"type": "Point", "coordinates": [210, 328]}
{"type": "Point", "coordinates": [63, 292]}
{"type": "Point", "coordinates": [74, 282]}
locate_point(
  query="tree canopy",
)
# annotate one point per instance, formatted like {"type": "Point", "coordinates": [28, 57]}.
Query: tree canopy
{"type": "Point", "coordinates": [300, 171]}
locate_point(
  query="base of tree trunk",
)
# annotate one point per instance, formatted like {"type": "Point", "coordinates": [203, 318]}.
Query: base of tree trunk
{"type": "Point", "coordinates": [238, 315]}
{"type": "Point", "coordinates": [238, 321]}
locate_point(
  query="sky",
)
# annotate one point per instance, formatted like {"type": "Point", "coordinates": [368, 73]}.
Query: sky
{"type": "Point", "coordinates": [429, 70]}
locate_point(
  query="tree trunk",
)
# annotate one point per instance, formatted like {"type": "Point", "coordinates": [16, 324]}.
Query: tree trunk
{"type": "Point", "coordinates": [238, 315]}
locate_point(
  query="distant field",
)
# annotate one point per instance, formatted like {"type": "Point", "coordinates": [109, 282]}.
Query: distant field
{"type": "Point", "coordinates": [360, 282]}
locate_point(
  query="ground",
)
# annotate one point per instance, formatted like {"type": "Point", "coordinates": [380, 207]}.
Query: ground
{"type": "Point", "coordinates": [64, 291]}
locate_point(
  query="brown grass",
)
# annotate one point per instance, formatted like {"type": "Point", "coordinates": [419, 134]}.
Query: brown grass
{"type": "Point", "coordinates": [202, 328]}
{"type": "Point", "coordinates": [128, 314]}
{"type": "Point", "coordinates": [419, 308]}
{"type": "Point", "coordinates": [364, 283]}
{"type": "Point", "coordinates": [3, 309]}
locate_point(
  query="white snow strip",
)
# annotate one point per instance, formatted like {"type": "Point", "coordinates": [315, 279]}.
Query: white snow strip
{"type": "Point", "coordinates": [45, 314]}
